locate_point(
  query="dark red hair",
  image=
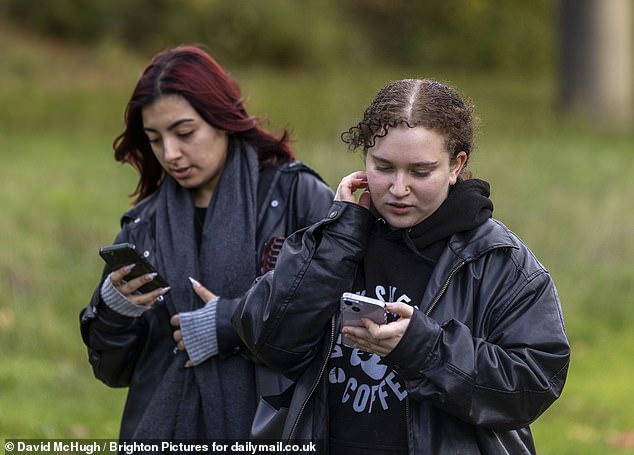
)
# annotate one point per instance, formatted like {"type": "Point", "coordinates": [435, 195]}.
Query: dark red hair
{"type": "Point", "coordinates": [190, 72]}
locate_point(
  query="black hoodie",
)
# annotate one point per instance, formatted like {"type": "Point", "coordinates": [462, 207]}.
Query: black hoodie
{"type": "Point", "coordinates": [405, 258]}
{"type": "Point", "coordinates": [396, 267]}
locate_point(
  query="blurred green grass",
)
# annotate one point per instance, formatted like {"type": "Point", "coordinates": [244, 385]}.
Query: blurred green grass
{"type": "Point", "coordinates": [562, 186]}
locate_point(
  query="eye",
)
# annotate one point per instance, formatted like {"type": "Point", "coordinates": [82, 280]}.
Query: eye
{"type": "Point", "coordinates": [185, 134]}
{"type": "Point", "coordinates": [383, 168]}
{"type": "Point", "coordinates": [153, 140]}
{"type": "Point", "coordinates": [420, 174]}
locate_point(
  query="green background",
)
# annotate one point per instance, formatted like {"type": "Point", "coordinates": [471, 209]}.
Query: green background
{"type": "Point", "coordinates": [562, 184]}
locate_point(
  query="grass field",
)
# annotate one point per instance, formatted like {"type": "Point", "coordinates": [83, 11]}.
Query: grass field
{"type": "Point", "coordinates": [564, 188]}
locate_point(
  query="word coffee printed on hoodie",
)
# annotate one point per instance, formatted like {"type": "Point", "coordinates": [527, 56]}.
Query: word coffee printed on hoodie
{"type": "Point", "coordinates": [367, 382]}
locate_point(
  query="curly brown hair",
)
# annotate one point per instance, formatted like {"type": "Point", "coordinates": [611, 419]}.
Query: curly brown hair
{"type": "Point", "coordinates": [417, 102]}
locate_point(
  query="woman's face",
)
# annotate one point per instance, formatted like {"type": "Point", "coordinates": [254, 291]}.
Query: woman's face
{"type": "Point", "coordinates": [409, 174]}
{"type": "Point", "coordinates": [190, 150]}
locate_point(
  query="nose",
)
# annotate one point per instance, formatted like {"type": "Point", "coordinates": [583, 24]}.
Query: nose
{"type": "Point", "coordinates": [400, 186]}
{"type": "Point", "coordinates": [171, 150]}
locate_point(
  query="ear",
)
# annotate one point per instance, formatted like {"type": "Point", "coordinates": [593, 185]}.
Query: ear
{"type": "Point", "coordinates": [455, 168]}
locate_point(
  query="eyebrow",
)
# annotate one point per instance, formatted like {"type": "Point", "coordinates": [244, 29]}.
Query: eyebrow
{"type": "Point", "coordinates": [420, 164]}
{"type": "Point", "coordinates": [176, 124]}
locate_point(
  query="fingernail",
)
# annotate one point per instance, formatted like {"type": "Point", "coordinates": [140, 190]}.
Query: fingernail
{"type": "Point", "coordinates": [194, 282]}
{"type": "Point", "coordinates": [165, 290]}
{"type": "Point", "coordinates": [129, 267]}
{"type": "Point", "coordinates": [150, 276]}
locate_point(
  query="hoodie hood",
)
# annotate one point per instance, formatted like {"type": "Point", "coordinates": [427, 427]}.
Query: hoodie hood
{"type": "Point", "coordinates": [467, 206]}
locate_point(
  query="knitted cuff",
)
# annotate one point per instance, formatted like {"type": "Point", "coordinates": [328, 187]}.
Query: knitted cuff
{"type": "Point", "coordinates": [199, 332]}
{"type": "Point", "coordinates": [118, 302]}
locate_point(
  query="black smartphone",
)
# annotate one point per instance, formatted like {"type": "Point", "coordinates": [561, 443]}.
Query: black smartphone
{"type": "Point", "coordinates": [121, 254]}
{"type": "Point", "coordinates": [354, 307]}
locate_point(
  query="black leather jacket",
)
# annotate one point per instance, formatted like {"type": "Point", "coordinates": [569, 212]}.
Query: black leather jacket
{"type": "Point", "coordinates": [486, 354]}
{"type": "Point", "coordinates": [134, 352]}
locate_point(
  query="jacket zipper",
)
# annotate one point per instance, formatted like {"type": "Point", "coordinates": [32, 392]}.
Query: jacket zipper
{"type": "Point", "coordinates": [407, 422]}
{"type": "Point", "coordinates": [430, 308]}
{"type": "Point", "coordinates": [319, 376]}
{"type": "Point", "coordinates": [434, 303]}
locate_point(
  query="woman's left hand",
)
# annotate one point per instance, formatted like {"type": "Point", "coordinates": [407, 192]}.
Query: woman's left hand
{"type": "Point", "coordinates": [206, 295]}
{"type": "Point", "coordinates": [381, 339]}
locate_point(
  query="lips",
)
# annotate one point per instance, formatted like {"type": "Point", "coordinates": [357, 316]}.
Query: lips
{"type": "Point", "coordinates": [398, 209]}
{"type": "Point", "coordinates": [181, 172]}
{"type": "Point", "coordinates": [399, 205]}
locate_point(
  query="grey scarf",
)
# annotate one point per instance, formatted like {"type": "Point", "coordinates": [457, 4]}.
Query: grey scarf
{"type": "Point", "coordinates": [216, 399]}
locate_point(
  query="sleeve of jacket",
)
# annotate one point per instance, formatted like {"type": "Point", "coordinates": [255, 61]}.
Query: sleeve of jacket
{"type": "Point", "coordinates": [283, 317]}
{"type": "Point", "coordinates": [113, 340]}
{"type": "Point", "coordinates": [505, 377]}
{"type": "Point", "coordinates": [309, 201]}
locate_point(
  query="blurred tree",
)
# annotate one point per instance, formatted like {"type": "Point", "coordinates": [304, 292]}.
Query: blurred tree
{"type": "Point", "coordinates": [474, 34]}
{"type": "Point", "coordinates": [284, 33]}
{"type": "Point", "coordinates": [470, 34]}
{"type": "Point", "coordinates": [596, 59]}
{"type": "Point", "coordinates": [62, 18]}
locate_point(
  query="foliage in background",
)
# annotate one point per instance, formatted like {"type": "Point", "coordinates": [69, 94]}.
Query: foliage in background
{"type": "Point", "coordinates": [312, 33]}
{"type": "Point", "coordinates": [473, 34]}
{"type": "Point", "coordinates": [565, 189]}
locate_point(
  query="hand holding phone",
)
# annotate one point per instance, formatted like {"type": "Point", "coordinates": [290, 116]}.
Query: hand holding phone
{"type": "Point", "coordinates": [122, 254]}
{"type": "Point", "coordinates": [355, 307]}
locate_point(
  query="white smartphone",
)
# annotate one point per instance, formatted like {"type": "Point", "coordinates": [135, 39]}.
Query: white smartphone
{"type": "Point", "coordinates": [354, 307]}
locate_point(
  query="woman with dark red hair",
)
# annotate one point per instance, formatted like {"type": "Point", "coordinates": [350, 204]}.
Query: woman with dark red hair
{"type": "Point", "coordinates": [216, 196]}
